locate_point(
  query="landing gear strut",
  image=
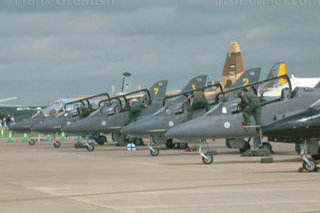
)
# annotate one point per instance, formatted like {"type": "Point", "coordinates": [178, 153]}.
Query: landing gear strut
{"type": "Point", "coordinates": [153, 150]}
{"type": "Point", "coordinates": [207, 158]}
{"type": "Point", "coordinates": [307, 164]}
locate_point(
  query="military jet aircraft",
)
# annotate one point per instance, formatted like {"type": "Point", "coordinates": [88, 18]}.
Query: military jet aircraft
{"type": "Point", "coordinates": [65, 116]}
{"type": "Point", "coordinates": [226, 122]}
{"type": "Point", "coordinates": [116, 109]}
{"type": "Point", "coordinates": [109, 120]}
{"type": "Point", "coordinates": [156, 125]}
{"type": "Point", "coordinates": [40, 114]}
{"type": "Point", "coordinates": [302, 129]}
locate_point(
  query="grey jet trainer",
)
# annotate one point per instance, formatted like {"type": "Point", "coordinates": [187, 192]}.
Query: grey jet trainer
{"type": "Point", "coordinates": [174, 112]}
{"type": "Point", "coordinates": [112, 115]}
{"type": "Point", "coordinates": [67, 115]}
{"type": "Point", "coordinates": [225, 122]}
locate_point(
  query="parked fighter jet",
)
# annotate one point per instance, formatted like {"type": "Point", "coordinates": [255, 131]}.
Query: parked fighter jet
{"type": "Point", "coordinates": [40, 114]}
{"type": "Point", "coordinates": [66, 115]}
{"type": "Point", "coordinates": [225, 122]}
{"type": "Point", "coordinates": [303, 129]}
{"type": "Point", "coordinates": [112, 117]}
{"type": "Point", "coordinates": [155, 125]}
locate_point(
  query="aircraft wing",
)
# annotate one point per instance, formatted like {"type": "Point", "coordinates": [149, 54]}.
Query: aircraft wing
{"type": "Point", "coordinates": [8, 99]}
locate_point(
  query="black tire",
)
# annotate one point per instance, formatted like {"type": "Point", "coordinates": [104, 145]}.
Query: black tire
{"type": "Point", "coordinates": [310, 167]}
{"type": "Point", "coordinates": [228, 145]}
{"type": "Point", "coordinates": [56, 144]}
{"type": "Point", "coordinates": [154, 152]}
{"type": "Point", "coordinates": [245, 147]}
{"type": "Point", "coordinates": [32, 142]}
{"type": "Point", "coordinates": [267, 146]}
{"type": "Point", "coordinates": [90, 147]}
{"type": "Point", "coordinates": [207, 160]}
{"type": "Point", "coordinates": [170, 144]}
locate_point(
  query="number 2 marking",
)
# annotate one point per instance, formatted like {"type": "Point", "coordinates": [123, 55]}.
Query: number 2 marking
{"type": "Point", "coordinates": [156, 90]}
{"type": "Point", "coordinates": [245, 81]}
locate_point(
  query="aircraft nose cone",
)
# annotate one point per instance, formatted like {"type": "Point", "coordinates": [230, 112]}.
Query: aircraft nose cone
{"type": "Point", "coordinates": [143, 126]}
{"type": "Point", "coordinates": [47, 126]}
{"type": "Point", "coordinates": [182, 130]}
{"type": "Point", "coordinates": [38, 127]}
{"type": "Point", "coordinates": [86, 125]}
{"type": "Point", "coordinates": [135, 128]}
{"type": "Point", "coordinates": [21, 126]}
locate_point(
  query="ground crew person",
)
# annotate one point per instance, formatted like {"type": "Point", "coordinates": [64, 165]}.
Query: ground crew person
{"type": "Point", "coordinates": [250, 105]}
{"type": "Point", "coordinates": [135, 109]}
{"type": "Point", "coordinates": [83, 112]}
{"type": "Point", "coordinates": [199, 102]}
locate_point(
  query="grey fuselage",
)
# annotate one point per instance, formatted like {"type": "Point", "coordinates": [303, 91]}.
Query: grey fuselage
{"type": "Point", "coordinates": [216, 124]}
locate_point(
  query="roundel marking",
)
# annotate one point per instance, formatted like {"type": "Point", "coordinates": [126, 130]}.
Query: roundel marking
{"type": "Point", "coordinates": [227, 125]}
{"type": "Point", "coordinates": [171, 123]}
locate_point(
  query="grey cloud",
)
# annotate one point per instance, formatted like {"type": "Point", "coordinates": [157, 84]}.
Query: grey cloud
{"type": "Point", "coordinates": [64, 51]}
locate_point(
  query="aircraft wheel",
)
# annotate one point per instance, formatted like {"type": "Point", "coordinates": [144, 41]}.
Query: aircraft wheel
{"type": "Point", "coordinates": [56, 144]}
{"type": "Point", "coordinates": [228, 143]}
{"type": "Point", "coordinates": [267, 146]}
{"type": "Point", "coordinates": [90, 147]}
{"type": "Point", "coordinates": [310, 167]}
{"type": "Point", "coordinates": [154, 152]}
{"type": "Point", "coordinates": [32, 142]}
{"type": "Point", "coordinates": [208, 159]}
{"type": "Point", "coordinates": [169, 144]}
{"type": "Point", "coordinates": [182, 145]}
{"type": "Point", "coordinates": [138, 142]}
{"type": "Point", "coordinates": [245, 147]}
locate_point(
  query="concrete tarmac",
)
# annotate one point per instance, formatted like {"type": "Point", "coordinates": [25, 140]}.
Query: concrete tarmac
{"type": "Point", "coordinates": [112, 179]}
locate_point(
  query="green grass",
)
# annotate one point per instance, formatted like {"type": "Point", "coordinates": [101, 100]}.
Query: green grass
{"type": "Point", "coordinates": [19, 134]}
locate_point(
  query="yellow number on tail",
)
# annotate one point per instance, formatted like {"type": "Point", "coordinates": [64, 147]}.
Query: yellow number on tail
{"type": "Point", "coordinates": [193, 86]}
{"type": "Point", "coordinates": [245, 81]}
{"type": "Point", "coordinates": [156, 90]}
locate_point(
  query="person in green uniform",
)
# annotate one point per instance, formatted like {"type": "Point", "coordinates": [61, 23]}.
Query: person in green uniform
{"type": "Point", "coordinates": [199, 102]}
{"type": "Point", "coordinates": [83, 112]}
{"type": "Point", "coordinates": [250, 105]}
{"type": "Point", "coordinates": [135, 109]}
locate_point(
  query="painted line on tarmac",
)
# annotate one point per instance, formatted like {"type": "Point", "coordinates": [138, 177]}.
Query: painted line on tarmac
{"type": "Point", "coordinates": [152, 190]}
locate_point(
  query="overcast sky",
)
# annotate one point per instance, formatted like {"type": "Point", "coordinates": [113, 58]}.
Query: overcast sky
{"type": "Point", "coordinates": [61, 48]}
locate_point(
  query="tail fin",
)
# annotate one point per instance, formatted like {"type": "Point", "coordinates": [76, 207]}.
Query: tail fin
{"type": "Point", "coordinates": [250, 76]}
{"type": "Point", "coordinates": [158, 90]}
{"type": "Point", "coordinates": [233, 67]}
{"type": "Point", "coordinates": [196, 83]}
{"type": "Point", "coordinates": [277, 69]}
